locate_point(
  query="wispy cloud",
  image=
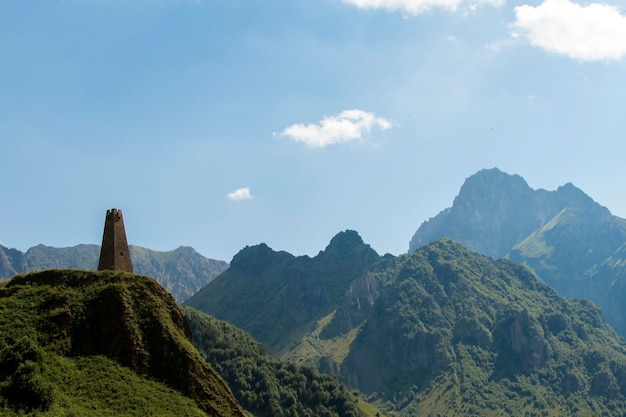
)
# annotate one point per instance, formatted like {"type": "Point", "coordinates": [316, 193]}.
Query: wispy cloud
{"type": "Point", "coordinates": [596, 32]}
{"type": "Point", "coordinates": [240, 194]}
{"type": "Point", "coordinates": [347, 126]}
{"type": "Point", "coordinates": [415, 7]}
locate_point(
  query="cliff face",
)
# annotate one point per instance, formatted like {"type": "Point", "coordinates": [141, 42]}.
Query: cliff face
{"type": "Point", "coordinates": [128, 318]}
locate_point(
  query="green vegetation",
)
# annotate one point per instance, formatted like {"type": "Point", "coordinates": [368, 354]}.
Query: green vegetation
{"type": "Point", "coordinates": [459, 334]}
{"type": "Point", "coordinates": [276, 296]}
{"type": "Point", "coordinates": [572, 243]}
{"type": "Point", "coordinates": [263, 385]}
{"type": "Point", "coordinates": [78, 343]}
{"type": "Point", "coordinates": [93, 387]}
{"type": "Point", "coordinates": [442, 331]}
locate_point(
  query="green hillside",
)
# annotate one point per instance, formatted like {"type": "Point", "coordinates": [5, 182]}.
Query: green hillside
{"type": "Point", "coordinates": [459, 334]}
{"type": "Point", "coordinates": [442, 331]}
{"type": "Point", "coordinates": [275, 296]}
{"type": "Point", "coordinates": [78, 343]}
{"type": "Point", "coordinates": [263, 385]}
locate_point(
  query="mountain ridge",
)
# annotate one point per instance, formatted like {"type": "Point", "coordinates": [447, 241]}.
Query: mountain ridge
{"type": "Point", "coordinates": [443, 331]}
{"type": "Point", "coordinates": [182, 271]}
{"type": "Point", "coordinates": [495, 210]}
{"type": "Point", "coordinates": [564, 236]}
{"type": "Point", "coordinates": [313, 285]}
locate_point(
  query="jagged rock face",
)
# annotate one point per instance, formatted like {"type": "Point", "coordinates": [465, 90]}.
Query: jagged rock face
{"type": "Point", "coordinates": [489, 204]}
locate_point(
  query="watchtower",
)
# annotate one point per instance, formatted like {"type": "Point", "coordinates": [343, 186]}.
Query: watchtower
{"type": "Point", "coordinates": [114, 253]}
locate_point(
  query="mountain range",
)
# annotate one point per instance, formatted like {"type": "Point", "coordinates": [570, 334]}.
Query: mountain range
{"type": "Point", "coordinates": [572, 243]}
{"type": "Point", "coordinates": [182, 271]}
{"type": "Point", "coordinates": [441, 331]}
{"type": "Point", "coordinates": [487, 315]}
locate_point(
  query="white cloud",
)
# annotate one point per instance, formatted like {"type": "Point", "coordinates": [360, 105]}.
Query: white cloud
{"type": "Point", "coordinates": [240, 194]}
{"type": "Point", "coordinates": [596, 32]}
{"type": "Point", "coordinates": [415, 7]}
{"type": "Point", "coordinates": [347, 126]}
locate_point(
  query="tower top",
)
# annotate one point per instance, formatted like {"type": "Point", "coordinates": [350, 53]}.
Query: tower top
{"type": "Point", "coordinates": [114, 253]}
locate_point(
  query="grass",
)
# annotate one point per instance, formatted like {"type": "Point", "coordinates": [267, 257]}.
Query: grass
{"type": "Point", "coordinates": [312, 347]}
{"type": "Point", "coordinates": [83, 343]}
{"type": "Point", "coordinates": [97, 386]}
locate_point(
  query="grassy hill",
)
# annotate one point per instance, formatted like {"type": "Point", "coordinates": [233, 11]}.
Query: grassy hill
{"type": "Point", "coordinates": [78, 343]}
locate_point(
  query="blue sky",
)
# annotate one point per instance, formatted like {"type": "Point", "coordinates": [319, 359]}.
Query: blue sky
{"type": "Point", "coordinates": [224, 123]}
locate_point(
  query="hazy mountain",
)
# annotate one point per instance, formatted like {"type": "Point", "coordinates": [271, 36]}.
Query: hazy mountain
{"type": "Point", "coordinates": [494, 211]}
{"type": "Point", "coordinates": [572, 243]}
{"type": "Point", "coordinates": [12, 262]}
{"type": "Point", "coordinates": [441, 331]}
{"type": "Point", "coordinates": [181, 271]}
{"type": "Point", "coordinates": [95, 343]}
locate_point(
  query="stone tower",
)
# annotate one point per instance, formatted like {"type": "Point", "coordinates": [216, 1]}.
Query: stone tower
{"type": "Point", "coordinates": [114, 254]}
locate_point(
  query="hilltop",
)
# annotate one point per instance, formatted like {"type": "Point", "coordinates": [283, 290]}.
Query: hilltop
{"type": "Point", "coordinates": [101, 343]}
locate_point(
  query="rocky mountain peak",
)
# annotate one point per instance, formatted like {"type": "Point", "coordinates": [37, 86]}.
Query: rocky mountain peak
{"type": "Point", "coordinates": [346, 244]}
{"type": "Point", "coordinates": [495, 210]}
{"type": "Point", "coordinates": [494, 181]}
{"type": "Point", "coordinates": [257, 258]}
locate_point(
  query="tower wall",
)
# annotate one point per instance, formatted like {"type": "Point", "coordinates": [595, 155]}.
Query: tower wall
{"type": "Point", "coordinates": [114, 253]}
